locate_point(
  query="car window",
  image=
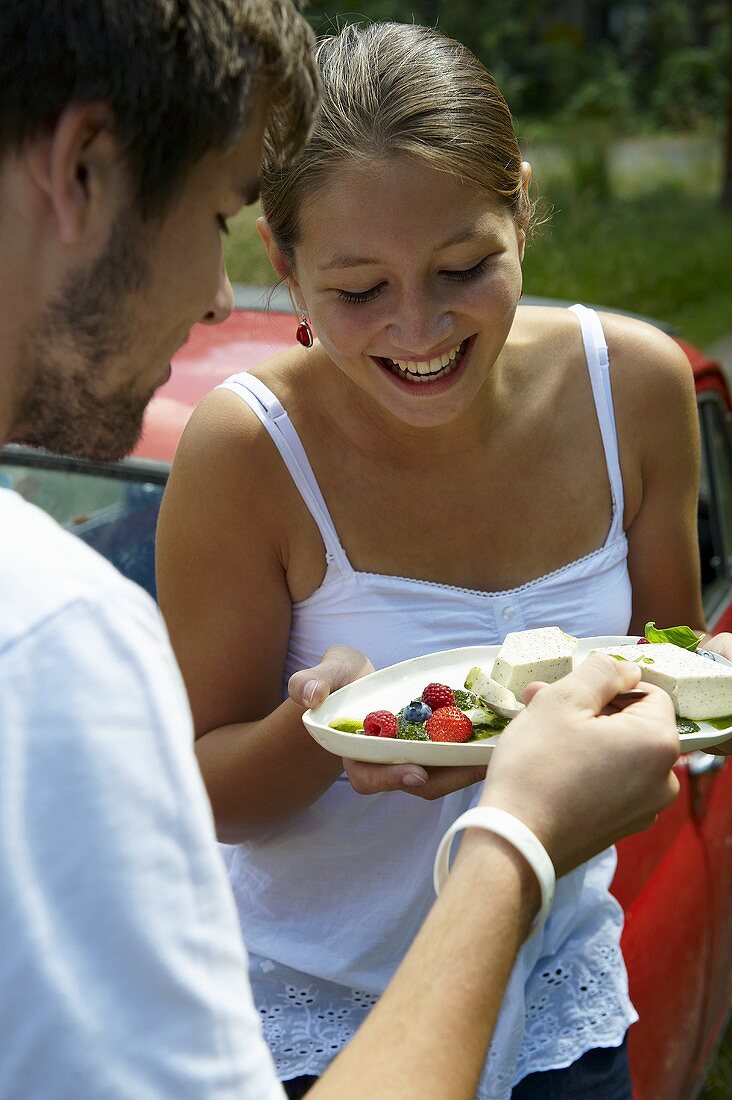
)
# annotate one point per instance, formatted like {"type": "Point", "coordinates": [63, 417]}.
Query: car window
{"type": "Point", "coordinates": [114, 512]}
{"type": "Point", "coordinates": [715, 503]}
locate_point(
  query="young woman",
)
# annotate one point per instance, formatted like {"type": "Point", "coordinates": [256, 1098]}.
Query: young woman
{"type": "Point", "coordinates": [437, 469]}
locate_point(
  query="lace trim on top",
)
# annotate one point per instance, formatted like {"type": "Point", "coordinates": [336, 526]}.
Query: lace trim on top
{"type": "Point", "coordinates": [575, 1006]}
{"type": "Point", "coordinates": [618, 542]}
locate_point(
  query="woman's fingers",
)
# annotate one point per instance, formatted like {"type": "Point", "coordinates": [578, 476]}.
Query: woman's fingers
{"type": "Point", "coordinates": [339, 666]}
{"type": "Point", "coordinates": [429, 783]}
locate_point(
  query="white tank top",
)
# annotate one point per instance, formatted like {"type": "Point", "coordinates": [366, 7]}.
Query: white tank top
{"type": "Point", "coordinates": [330, 900]}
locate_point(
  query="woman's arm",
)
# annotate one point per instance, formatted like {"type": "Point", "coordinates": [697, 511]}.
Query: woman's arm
{"type": "Point", "coordinates": [658, 432]}
{"type": "Point", "coordinates": [222, 555]}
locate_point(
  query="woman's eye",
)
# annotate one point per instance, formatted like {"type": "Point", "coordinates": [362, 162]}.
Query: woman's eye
{"type": "Point", "coordinates": [357, 296]}
{"type": "Point", "coordinates": [222, 224]}
{"type": "Point", "coordinates": [470, 272]}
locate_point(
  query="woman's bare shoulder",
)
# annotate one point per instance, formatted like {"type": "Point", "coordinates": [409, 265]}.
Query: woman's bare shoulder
{"type": "Point", "coordinates": [652, 379]}
{"type": "Point", "coordinates": [641, 355]}
{"type": "Point", "coordinates": [223, 425]}
{"type": "Point", "coordinates": [634, 342]}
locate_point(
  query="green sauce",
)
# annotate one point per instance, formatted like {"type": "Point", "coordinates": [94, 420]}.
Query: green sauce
{"type": "Point", "coordinates": [480, 733]}
{"type": "Point", "coordinates": [465, 699]}
{"type": "Point", "coordinates": [720, 723]}
{"type": "Point", "coordinates": [411, 731]}
{"type": "Point", "coordinates": [347, 725]}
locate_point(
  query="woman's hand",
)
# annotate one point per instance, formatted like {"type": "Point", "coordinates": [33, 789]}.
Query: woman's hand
{"type": "Point", "coordinates": [429, 783]}
{"type": "Point", "coordinates": [340, 665]}
{"type": "Point", "coordinates": [581, 773]}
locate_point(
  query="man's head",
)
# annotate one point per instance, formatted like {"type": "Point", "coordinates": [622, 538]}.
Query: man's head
{"type": "Point", "coordinates": [127, 133]}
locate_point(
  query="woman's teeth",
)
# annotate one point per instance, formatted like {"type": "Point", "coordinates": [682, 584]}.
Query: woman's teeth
{"type": "Point", "coordinates": [428, 370]}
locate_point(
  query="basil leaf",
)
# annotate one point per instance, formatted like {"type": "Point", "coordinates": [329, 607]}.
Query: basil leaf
{"type": "Point", "coordinates": [682, 636]}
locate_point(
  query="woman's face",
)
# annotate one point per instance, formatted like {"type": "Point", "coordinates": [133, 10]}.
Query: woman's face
{"type": "Point", "coordinates": [411, 279]}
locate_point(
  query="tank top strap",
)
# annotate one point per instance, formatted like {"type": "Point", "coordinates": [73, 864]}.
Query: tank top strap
{"type": "Point", "coordinates": [598, 365]}
{"type": "Point", "coordinates": [268, 408]}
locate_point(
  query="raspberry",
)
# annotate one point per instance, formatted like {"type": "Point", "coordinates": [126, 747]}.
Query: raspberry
{"type": "Point", "coordinates": [449, 724]}
{"type": "Point", "coordinates": [438, 695]}
{"type": "Point", "coordinates": [380, 723]}
{"type": "Point", "coordinates": [643, 641]}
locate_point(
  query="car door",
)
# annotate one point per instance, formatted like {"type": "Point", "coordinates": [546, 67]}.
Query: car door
{"type": "Point", "coordinates": [711, 776]}
{"type": "Point", "coordinates": [674, 881]}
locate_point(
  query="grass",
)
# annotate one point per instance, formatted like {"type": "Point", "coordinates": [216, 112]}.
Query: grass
{"type": "Point", "coordinates": [719, 1081]}
{"type": "Point", "coordinates": [666, 254]}
{"type": "Point", "coordinates": [244, 253]}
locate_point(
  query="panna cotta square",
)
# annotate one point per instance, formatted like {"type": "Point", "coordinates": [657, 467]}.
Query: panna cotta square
{"type": "Point", "coordinates": [700, 688]}
{"type": "Point", "coordinates": [544, 654]}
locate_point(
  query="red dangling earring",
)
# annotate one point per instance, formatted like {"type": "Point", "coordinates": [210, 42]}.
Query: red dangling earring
{"type": "Point", "coordinates": [304, 334]}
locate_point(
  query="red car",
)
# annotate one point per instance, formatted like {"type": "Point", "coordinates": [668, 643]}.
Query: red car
{"type": "Point", "coordinates": [675, 880]}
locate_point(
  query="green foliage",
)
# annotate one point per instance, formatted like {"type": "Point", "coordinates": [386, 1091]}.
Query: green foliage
{"type": "Point", "coordinates": [663, 254]}
{"type": "Point", "coordinates": [690, 84]}
{"type": "Point", "coordinates": [657, 62]}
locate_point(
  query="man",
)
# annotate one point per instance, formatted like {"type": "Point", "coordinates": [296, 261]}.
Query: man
{"type": "Point", "coordinates": [128, 134]}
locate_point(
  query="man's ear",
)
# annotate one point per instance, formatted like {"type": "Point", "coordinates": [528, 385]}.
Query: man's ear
{"type": "Point", "coordinates": [78, 166]}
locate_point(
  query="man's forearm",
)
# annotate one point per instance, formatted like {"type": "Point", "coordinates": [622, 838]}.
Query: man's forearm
{"type": "Point", "coordinates": [428, 1035]}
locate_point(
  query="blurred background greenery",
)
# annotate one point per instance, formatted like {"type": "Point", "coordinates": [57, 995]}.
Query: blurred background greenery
{"type": "Point", "coordinates": [624, 108]}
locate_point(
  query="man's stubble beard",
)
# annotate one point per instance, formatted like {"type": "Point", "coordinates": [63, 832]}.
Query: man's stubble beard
{"type": "Point", "coordinates": [81, 333]}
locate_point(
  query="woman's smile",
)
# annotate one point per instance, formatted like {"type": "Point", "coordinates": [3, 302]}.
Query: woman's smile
{"type": "Point", "coordinates": [428, 376]}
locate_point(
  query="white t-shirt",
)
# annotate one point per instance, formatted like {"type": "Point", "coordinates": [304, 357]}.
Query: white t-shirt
{"type": "Point", "coordinates": [122, 971]}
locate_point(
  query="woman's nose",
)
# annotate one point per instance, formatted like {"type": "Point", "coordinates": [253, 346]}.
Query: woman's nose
{"type": "Point", "coordinates": [420, 327]}
{"type": "Point", "coordinates": [223, 301]}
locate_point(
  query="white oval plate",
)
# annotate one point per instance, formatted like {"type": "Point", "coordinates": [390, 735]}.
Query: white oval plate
{"type": "Point", "coordinates": [393, 687]}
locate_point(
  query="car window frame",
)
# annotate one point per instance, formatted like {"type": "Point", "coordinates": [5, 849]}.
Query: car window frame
{"type": "Point", "coordinates": [716, 600]}
{"type": "Point", "coordinates": [127, 469]}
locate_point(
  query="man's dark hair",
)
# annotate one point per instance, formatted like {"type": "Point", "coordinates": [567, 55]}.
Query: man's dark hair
{"type": "Point", "coordinates": [181, 77]}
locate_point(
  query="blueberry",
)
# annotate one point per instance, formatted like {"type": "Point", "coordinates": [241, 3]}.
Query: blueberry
{"type": "Point", "coordinates": [417, 711]}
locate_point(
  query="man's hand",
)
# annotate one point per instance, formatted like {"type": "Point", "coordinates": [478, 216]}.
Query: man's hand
{"type": "Point", "coordinates": [722, 644]}
{"type": "Point", "coordinates": [717, 643]}
{"type": "Point", "coordinates": [339, 666]}
{"type": "Point", "coordinates": [580, 772]}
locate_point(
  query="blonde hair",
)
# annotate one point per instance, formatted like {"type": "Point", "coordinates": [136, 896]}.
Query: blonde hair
{"type": "Point", "coordinates": [390, 89]}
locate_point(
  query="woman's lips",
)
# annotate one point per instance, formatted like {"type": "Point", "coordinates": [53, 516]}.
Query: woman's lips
{"type": "Point", "coordinates": [434, 382]}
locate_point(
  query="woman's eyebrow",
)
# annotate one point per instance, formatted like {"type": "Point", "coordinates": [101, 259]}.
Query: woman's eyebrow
{"type": "Point", "coordinates": [466, 236]}
{"type": "Point", "coordinates": [346, 260]}
{"type": "Point", "coordinates": [463, 236]}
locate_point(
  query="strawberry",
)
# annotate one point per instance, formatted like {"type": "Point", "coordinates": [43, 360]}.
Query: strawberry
{"type": "Point", "coordinates": [380, 723]}
{"type": "Point", "coordinates": [449, 724]}
{"type": "Point", "coordinates": [438, 695]}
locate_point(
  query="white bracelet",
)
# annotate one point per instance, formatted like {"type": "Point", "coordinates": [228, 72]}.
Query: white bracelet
{"type": "Point", "coordinates": [518, 835]}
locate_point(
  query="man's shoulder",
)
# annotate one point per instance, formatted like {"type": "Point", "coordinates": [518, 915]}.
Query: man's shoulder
{"type": "Point", "coordinates": [44, 569]}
